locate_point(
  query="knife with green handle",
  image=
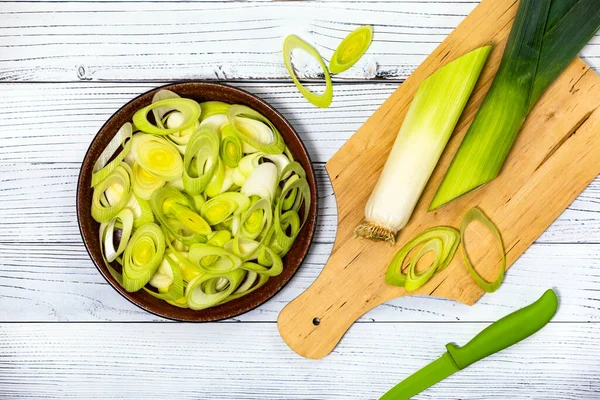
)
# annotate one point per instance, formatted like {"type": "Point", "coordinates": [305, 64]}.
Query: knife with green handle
{"type": "Point", "coordinates": [501, 334]}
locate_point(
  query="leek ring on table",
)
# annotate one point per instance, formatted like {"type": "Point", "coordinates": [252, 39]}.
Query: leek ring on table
{"type": "Point", "coordinates": [102, 166]}
{"type": "Point", "coordinates": [351, 49]}
{"type": "Point", "coordinates": [157, 156]}
{"type": "Point", "coordinates": [189, 109]}
{"type": "Point", "coordinates": [112, 194]}
{"type": "Point", "coordinates": [200, 161]}
{"type": "Point", "coordinates": [255, 130]}
{"type": "Point", "coordinates": [450, 239]}
{"type": "Point", "coordinates": [475, 214]}
{"type": "Point", "coordinates": [142, 256]}
{"type": "Point", "coordinates": [292, 43]}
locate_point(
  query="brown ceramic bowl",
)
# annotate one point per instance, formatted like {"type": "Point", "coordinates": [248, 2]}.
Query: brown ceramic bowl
{"type": "Point", "coordinates": [199, 91]}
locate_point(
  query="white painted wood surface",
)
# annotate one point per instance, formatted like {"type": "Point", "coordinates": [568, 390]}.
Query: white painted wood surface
{"type": "Point", "coordinates": [66, 66]}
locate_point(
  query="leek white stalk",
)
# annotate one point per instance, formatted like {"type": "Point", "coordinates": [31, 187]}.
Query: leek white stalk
{"type": "Point", "coordinates": [430, 120]}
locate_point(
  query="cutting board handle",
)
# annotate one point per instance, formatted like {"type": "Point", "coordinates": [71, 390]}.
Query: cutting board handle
{"type": "Point", "coordinates": [314, 323]}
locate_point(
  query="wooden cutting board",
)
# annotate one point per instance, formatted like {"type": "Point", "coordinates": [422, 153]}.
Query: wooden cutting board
{"type": "Point", "coordinates": [556, 155]}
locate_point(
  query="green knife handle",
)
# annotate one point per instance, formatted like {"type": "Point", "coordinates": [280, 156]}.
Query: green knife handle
{"type": "Point", "coordinates": [507, 331]}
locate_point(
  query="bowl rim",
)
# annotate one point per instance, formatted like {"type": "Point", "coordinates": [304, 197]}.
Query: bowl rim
{"type": "Point", "coordinates": [311, 221]}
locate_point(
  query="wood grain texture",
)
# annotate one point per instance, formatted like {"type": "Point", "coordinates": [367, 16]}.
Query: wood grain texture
{"type": "Point", "coordinates": [94, 41]}
{"type": "Point", "coordinates": [83, 361]}
{"type": "Point", "coordinates": [554, 158]}
{"type": "Point", "coordinates": [56, 122]}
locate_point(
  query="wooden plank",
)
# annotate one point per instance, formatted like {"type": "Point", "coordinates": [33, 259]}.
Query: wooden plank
{"type": "Point", "coordinates": [553, 160]}
{"type": "Point", "coordinates": [71, 41]}
{"type": "Point", "coordinates": [56, 122]}
{"type": "Point", "coordinates": [37, 204]}
{"type": "Point", "coordinates": [218, 361]}
{"type": "Point", "coordinates": [58, 282]}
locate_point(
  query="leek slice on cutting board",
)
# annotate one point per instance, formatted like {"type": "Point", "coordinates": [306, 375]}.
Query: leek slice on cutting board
{"type": "Point", "coordinates": [431, 118]}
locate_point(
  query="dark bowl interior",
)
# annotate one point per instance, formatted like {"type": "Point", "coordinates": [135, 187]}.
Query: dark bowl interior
{"type": "Point", "coordinates": [199, 91]}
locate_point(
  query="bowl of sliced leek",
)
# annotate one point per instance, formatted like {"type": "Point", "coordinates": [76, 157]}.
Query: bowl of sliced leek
{"type": "Point", "coordinates": [197, 201]}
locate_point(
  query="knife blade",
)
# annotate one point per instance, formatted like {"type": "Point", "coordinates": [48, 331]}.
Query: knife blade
{"type": "Point", "coordinates": [501, 334]}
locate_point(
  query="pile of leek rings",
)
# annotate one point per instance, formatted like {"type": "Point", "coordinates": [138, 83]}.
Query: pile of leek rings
{"type": "Point", "coordinates": [197, 202]}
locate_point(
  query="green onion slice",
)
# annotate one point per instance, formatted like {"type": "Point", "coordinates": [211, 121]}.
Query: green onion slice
{"type": "Point", "coordinates": [255, 130]}
{"type": "Point", "coordinates": [293, 42]}
{"type": "Point", "coordinates": [157, 156]}
{"type": "Point", "coordinates": [450, 239]}
{"type": "Point", "coordinates": [223, 262]}
{"type": "Point", "coordinates": [103, 168]}
{"type": "Point", "coordinates": [224, 207]}
{"type": "Point", "coordinates": [351, 49]}
{"type": "Point", "coordinates": [112, 194]}
{"type": "Point", "coordinates": [142, 256]}
{"type": "Point", "coordinates": [199, 299]}
{"type": "Point", "coordinates": [189, 109]}
{"type": "Point", "coordinates": [200, 161]}
{"type": "Point", "coordinates": [475, 214]}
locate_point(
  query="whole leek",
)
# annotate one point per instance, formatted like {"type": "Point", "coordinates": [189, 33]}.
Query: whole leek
{"type": "Point", "coordinates": [432, 116]}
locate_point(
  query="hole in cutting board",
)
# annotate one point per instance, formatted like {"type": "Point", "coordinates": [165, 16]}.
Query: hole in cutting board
{"type": "Point", "coordinates": [316, 321]}
{"type": "Point", "coordinates": [483, 249]}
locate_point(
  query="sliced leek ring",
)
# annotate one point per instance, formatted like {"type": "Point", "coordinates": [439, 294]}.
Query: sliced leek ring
{"type": "Point", "coordinates": [142, 256]}
{"type": "Point", "coordinates": [200, 161]}
{"type": "Point", "coordinates": [351, 49]}
{"type": "Point", "coordinates": [157, 156]}
{"type": "Point", "coordinates": [112, 194]}
{"type": "Point", "coordinates": [107, 229]}
{"type": "Point", "coordinates": [210, 108]}
{"type": "Point", "coordinates": [231, 149]}
{"type": "Point", "coordinates": [102, 167]}
{"type": "Point", "coordinates": [414, 280]}
{"type": "Point", "coordinates": [255, 220]}
{"type": "Point", "coordinates": [450, 239]}
{"type": "Point", "coordinates": [223, 262]}
{"type": "Point", "coordinates": [293, 42]}
{"type": "Point", "coordinates": [475, 214]}
{"type": "Point", "coordinates": [224, 207]}
{"type": "Point", "coordinates": [256, 130]}
{"type": "Point", "coordinates": [168, 280]}
{"type": "Point", "coordinates": [189, 109]}
{"type": "Point", "coordinates": [144, 183]}
{"type": "Point", "coordinates": [142, 212]}
{"type": "Point", "coordinates": [198, 298]}
{"type": "Point", "coordinates": [167, 202]}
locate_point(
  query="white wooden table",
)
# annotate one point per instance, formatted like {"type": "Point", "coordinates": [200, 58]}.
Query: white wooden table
{"type": "Point", "coordinates": [66, 66]}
